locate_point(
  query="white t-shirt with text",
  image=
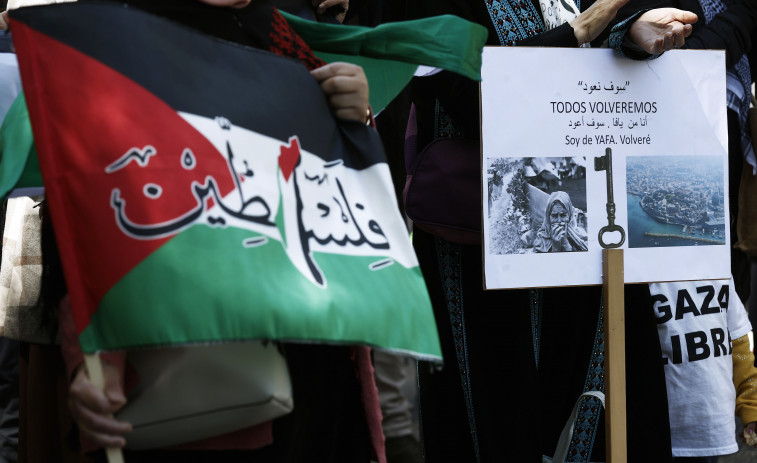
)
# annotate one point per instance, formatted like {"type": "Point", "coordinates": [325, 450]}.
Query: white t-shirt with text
{"type": "Point", "coordinates": [696, 321]}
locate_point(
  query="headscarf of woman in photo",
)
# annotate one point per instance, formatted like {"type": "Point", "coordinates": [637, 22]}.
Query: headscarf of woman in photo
{"type": "Point", "coordinates": [559, 232]}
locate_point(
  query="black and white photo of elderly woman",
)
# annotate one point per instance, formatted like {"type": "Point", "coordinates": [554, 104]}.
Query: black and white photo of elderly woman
{"type": "Point", "coordinates": [559, 231]}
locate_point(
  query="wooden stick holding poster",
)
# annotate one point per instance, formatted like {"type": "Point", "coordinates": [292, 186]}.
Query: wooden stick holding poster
{"type": "Point", "coordinates": [95, 372]}
{"type": "Point", "coordinates": [615, 356]}
{"type": "Point", "coordinates": [613, 295]}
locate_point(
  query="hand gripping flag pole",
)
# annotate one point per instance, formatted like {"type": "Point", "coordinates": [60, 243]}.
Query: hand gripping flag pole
{"type": "Point", "coordinates": [95, 372]}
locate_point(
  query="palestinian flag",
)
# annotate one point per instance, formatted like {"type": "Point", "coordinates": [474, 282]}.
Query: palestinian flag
{"type": "Point", "coordinates": [203, 192]}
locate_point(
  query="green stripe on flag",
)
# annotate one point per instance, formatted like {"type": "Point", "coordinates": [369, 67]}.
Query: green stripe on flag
{"type": "Point", "coordinates": [19, 167]}
{"type": "Point", "coordinates": [390, 53]}
{"type": "Point", "coordinates": [137, 310]}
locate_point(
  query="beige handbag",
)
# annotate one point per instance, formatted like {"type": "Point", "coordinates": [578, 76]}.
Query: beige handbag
{"type": "Point", "coordinates": [185, 394]}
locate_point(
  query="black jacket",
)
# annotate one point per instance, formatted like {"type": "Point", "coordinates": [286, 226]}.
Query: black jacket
{"type": "Point", "coordinates": [733, 30]}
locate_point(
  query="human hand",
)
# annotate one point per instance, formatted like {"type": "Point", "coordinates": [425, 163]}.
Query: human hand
{"type": "Point", "coordinates": [93, 408]}
{"type": "Point", "coordinates": [750, 437]}
{"type": "Point", "coordinates": [558, 234]}
{"type": "Point", "coordinates": [346, 89]}
{"type": "Point", "coordinates": [4, 21]}
{"type": "Point", "coordinates": [662, 29]}
{"type": "Point", "coordinates": [588, 25]}
{"type": "Point", "coordinates": [323, 5]}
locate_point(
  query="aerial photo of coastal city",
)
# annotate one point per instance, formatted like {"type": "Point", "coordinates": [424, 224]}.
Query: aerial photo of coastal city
{"type": "Point", "coordinates": [675, 201]}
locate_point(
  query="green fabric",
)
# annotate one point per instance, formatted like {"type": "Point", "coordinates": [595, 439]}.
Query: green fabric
{"type": "Point", "coordinates": [136, 312]}
{"type": "Point", "coordinates": [446, 42]}
{"type": "Point", "coordinates": [19, 167]}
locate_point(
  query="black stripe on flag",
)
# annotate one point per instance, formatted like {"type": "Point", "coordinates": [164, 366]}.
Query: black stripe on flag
{"type": "Point", "coordinates": [202, 75]}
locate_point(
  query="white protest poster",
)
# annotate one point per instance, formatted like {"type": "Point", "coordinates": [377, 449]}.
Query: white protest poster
{"type": "Point", "coordinates": [547, 113]}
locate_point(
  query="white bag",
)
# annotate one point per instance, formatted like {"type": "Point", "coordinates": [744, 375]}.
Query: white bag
{"type": "Point", "coordinates": [185, 394]}
{"type": "Point", "coordinates": [563, 444]}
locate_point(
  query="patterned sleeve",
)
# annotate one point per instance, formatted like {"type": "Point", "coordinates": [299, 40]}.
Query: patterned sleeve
{"type": "Point", "coordinates": [619, 41]}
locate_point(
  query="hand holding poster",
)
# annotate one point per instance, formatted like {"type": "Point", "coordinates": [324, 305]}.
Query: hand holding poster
{"type": "Point", "coordinates": [545, 202]}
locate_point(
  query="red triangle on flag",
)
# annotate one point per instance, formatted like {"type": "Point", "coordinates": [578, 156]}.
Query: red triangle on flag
{"type": "Point", "coordinates": [85, 116]}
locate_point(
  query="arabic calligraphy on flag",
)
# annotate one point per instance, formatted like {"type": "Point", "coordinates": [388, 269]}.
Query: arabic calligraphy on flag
{"type": "Point", "coordinates": [204, 209]}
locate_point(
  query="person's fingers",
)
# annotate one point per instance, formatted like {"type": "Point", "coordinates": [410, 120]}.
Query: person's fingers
{"type": "Point", "coordinates": [748, 436]}
{"type": "Point", "coordinates": [348, 105]}
{"type": "Point", "coordinates": [657, 46]}
{"type": "Point", "coordinates": [335, 69]}
{"type": "Point", "coordinates": [101, 428]}
{"type": "Point", "coordinates": [324, 72]}
{"type": "Point", "coordinates": [339, 80]}
{"type": "Point", "coordinates": [679, 33]}
{"type": "Point", "coordinates": [101, 433]}
{"type": "Point", "coordinates": [679, 38]}
{"type": "Point", "coordinates": [318, 3]}
{"type": "Point", "coordinates": [342, 84]}
{"type": "Point", "coordinates": [324, 4]}
{"type": "Point", "coordinates": [104, 440]}
{"type": "Point", "coordinates": [82, 391]}
{"type": "Point", "coordinates": [668, 41]}
{"type": "Point", "coordinates": [344, 100]}
{"type": "Point", "coordinates": [685, 17]}
{"type": "Point", "coordinates": [346, 88]}
{"type": "Point", "coordinates": [588, 24]}
{"type": "Point", "coordinates": [97, 423]}
{"type": "Point", "coordinates": [4, 21]}
{"type": "Point", "coordinates": [92, 408]}
{"type": "Point", "coordinates": [113, 391]}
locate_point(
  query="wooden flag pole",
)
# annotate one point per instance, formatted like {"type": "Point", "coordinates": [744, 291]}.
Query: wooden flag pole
{"type": "Point", "coordinates": [615, 356]}
{"type": "Point", "coordinates": [95, 372]}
